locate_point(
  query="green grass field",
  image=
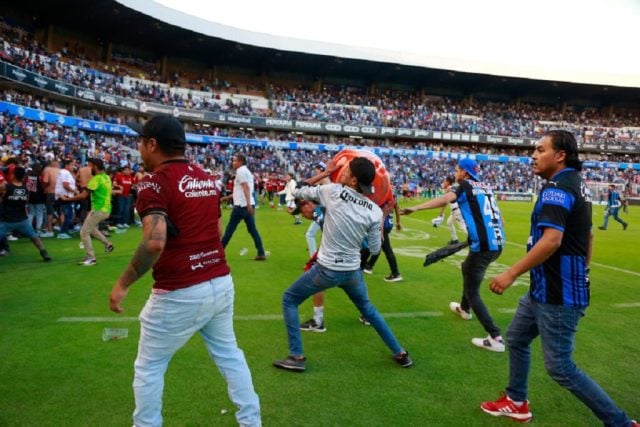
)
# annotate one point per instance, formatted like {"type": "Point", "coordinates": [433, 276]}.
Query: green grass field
{"type": "Point", "coordinates": [57, 373]}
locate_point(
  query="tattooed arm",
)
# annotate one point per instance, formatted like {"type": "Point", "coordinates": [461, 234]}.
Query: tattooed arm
{"type": "Point", "coordinates": [154, 237]}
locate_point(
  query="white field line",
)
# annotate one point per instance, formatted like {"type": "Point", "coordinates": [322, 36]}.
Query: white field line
{"type": "Point", "coordinates": [597, 264]}
{"type": "Point", "coordinates": [90, 319]}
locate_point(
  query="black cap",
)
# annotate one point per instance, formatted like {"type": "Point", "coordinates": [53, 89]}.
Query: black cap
{"type": "Point", "coordinates": [167, 130]}
{"type": "Point", "coordinates": [365, 172]}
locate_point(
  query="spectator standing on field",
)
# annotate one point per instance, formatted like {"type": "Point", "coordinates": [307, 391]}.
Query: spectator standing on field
{"type": "Point", "coordinates": [386, 246]}
{"type": "Point", "coordinates": [349, 218]}
{"type": "Point", "coordinates": [179, 205]}
{"type": "Point", "coordinates": [614, 203]}
{"type": "Point", "coordinates": [558, 255]}
{"type": "Point", "coordinates": [486, 240]}
{"type": "Point", "coordinates": [65, 189]}
{"type": "Point", "coordinates": [99, 187]}
{"type": "Point", "coordinates": [14, 195]}
{"type": "Point", "coordinates": [243, 206]}
{"type": "Point", "coordinates": [49, 178]}
{"type": "Point", "coordinates": [36, 207]}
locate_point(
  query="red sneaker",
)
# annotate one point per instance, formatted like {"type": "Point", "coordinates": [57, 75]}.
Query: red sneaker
{"type": "Point", "coordinates": [504, 407]}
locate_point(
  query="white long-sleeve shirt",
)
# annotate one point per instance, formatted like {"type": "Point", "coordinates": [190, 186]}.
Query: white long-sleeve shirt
{"type": "Point", "coordinates": [349, 218]}
{"type": "Point", "coordinates": [288, 190]}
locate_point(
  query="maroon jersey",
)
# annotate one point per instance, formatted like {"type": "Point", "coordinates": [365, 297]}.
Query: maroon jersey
{"type": "Point", "coordinates": [191, 201]}
{"type": "Point", "coordinates": [125, 181]}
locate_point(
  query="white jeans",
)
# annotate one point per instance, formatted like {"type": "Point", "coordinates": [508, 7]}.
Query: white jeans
{"type": "Point", "coordinates": [455, 217]}
{"type": "Point", "coordinates": [166, 324]}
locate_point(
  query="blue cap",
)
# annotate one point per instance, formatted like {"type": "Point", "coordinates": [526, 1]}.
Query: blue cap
{"type": "Point", "coordinates": [471, 167]}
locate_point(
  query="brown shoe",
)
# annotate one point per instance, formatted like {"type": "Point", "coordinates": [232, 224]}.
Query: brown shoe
{"type": "Point", "coordinates": [260, 258]}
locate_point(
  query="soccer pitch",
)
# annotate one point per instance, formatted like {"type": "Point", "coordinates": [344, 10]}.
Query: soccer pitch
{"type": "Point", "coordinates": [56, 370]}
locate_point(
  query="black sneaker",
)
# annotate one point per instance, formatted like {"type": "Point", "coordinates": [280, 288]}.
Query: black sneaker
{"type": "Point", "coordinates": [109, 248]}
{"type": "Point", "coordinates": [364, 321]}
{"type": "Point", "coordinates": [312, 326]}
{"type": "Point", "coordinates": [45, 255]}
{"type": "Point", "coordinates": [602, 228]}
{"type": "Point", "coordinates": [291, 363]}
{"type": "Point", "coordinates": [393, 278]}
{"type": "Point", "coordinates": [624, 226]}
{"type": "Point", "coordinates": [453, 241]}
{"type": "Point", "coordinates": [403, 359]}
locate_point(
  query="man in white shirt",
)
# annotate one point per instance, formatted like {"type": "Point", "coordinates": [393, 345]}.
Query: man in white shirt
{"type": "Point", "coordinates": [65, 188]}
{"type": "Point", "coordinates": [455, 217]}
{"type": "Point", "coordinates": [288, 196]}
{"type": "Point", "coordinates": [349, 217]}
{"type": "Point", "coordinates": [243, 206]}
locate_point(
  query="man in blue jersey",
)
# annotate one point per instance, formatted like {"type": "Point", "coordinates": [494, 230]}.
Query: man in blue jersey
{"type": "Point", "coordinates": [486, 238]}
{"type": "Point", "coordinates": [614, 203]}
{"type": "Point", "coordinates": [558, 256]}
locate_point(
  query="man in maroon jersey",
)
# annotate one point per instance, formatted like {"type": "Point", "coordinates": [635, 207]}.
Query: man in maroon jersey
{"type": "Point", "coordinates": [179, 205]}
{"type": "Point", "coordinates": [123, 182]}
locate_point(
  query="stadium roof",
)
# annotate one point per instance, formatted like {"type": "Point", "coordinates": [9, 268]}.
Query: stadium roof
{"type": "Point", "coordinates": [109, 21]}
{"type": "Point", "coordinates": [580, 41]}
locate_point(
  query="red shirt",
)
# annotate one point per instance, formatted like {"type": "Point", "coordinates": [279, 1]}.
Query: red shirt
{"type": "Point", "coordinates": [189, 197]}
{"type": "Point", "coordinates": [124, 181]}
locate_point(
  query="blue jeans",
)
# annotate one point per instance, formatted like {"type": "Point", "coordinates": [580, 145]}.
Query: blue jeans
{"type": "Point", "coordinates": [67, 211]}
{"type": "Point", "coordinates": [23, 227]}
{"type": "Point", "coordinates": [557, 326]}
{"type": "Point", "coordinates": [39, 212]}
{"type": "Point", "coordinates": [319, 278]}
{"type": "Point", "coordinates": [614, 213]}
{"type": "Point", "coordinates": [241, 214]}
{"type": "Point", "coordinates": [166, 324]}
{"type": "Point", "coordinates": [124, 209]}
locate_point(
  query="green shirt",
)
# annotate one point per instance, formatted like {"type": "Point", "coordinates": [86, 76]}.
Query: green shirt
{"type": "Point", "coordinates": [100, 186]}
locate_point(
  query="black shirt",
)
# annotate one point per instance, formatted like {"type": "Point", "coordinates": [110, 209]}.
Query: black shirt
{"type": "Point", "coordinates": [36, 191]}
{"type": "Point", "coordinates": [564, 204]}
{"type": "Point", "coordinates": [14, 203]}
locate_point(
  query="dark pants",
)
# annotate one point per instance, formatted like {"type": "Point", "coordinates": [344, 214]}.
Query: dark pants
{"type": "Point", "coordinates": [473, 269]}
{"type": "Point", "coordinates": [388, 253]}
{"type": "Point", "coordinates": [241, 214]}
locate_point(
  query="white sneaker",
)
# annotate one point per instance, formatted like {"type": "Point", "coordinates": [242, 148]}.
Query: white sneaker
{"type": "Point", "coordinates": [488, 343]}
{"type": "Point", "coordinates": [63, 236]}
{"type": "Point", "coordinates": [455, 307]}
{"type": "Point", "coordinates": [11, 238]}
{"type": "Point", "coordinates": [46, 234]}
{"type": "Point", "coordinates": [87, 262]}
{"type": "Point", "coordinates": [367, 270]}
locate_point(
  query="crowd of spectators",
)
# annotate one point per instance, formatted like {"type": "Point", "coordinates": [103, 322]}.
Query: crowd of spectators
{"type": "Point", "coordinates": [337, 103]}
{"type": "Point", "coordinates": [33, 141]}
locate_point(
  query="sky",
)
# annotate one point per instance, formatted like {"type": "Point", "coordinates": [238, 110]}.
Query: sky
{"type": "Point", "coordinates": [584, 41]}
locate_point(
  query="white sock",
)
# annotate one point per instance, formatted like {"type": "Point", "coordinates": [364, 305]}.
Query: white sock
{"type": "Point", "coordinates": [318, 314]}
{"type": "Point", "coordinates": [516, 403]}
